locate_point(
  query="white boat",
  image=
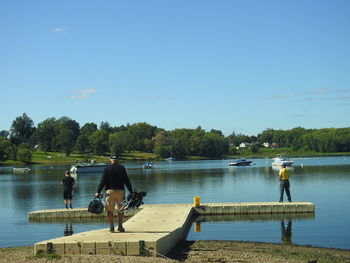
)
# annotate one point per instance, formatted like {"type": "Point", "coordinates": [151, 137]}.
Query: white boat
{"type": "Point", "coordinates": [147, 165]}
{"type": "Point", "coordinates": [240, 162]}
{"type": "Point", "coordinates": [279, 160]}
{"type": "Point", "coordinates": [92, 167]}
{"type": "Point", "coordinates": [170, 159]}
{"type": "Point", "coordinates": [21, 170]}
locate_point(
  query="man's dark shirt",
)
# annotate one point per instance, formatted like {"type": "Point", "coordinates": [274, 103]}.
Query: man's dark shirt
{"type": "Point", "coordinates": [68, 182]}
{"type": "Point", "coordinates": [114, 177]}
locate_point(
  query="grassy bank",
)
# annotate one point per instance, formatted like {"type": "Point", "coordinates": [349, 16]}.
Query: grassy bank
{"type": "Point", "coordinates": [198, 252]}
{"type": "Point", "coordinates": [60, 158]}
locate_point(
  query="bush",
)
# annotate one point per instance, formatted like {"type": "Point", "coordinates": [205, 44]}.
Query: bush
{"type": "Point", "coordinates": [24, 155]}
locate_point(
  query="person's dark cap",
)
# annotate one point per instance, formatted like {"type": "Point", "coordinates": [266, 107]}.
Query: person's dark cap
{"type": "Point", "coordinates": [114, 157]}
{"type": "Point", "coordinates": [284, 165]}
{"type": "Point", "coordinates": [67, 172]}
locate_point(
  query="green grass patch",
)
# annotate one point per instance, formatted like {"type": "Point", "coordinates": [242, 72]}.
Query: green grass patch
{"type": "Point", "coordinates": [136, 155]}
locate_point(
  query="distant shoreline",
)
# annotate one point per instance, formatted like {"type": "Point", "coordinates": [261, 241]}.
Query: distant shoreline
{"type": "Point", "coordinates": [56, 158]}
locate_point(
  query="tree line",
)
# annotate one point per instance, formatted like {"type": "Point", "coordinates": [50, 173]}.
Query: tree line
{"type": "Point", "coordinates": [65, 135]}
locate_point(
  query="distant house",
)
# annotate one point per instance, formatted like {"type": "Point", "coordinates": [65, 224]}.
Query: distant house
{"type": "Point", "coordinates": [244, 145]}
{"type": "Point", "coordinates": [266, 144]}
{"type": "Point", "coordinates": [274, 145]}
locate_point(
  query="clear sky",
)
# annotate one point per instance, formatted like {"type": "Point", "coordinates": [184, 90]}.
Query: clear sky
{"type": "Point", "coordinates": [238, 66]}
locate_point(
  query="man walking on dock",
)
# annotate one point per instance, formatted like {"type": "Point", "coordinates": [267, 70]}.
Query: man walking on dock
{"type": "Point", "coordinates": [284, 175]}
{"type": "Point", "coordinates": [114, 179]}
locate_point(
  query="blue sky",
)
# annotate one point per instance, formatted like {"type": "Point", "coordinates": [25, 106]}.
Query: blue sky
{"type": "Point", "coordinates": [235, 66]}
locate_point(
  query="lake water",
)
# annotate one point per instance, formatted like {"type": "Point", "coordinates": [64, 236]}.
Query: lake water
{"type": "Point", "coordinates": [323, 181]}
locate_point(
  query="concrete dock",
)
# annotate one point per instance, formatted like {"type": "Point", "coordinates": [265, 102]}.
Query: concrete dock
{"type": "Point", "coordinates": [153, 229]}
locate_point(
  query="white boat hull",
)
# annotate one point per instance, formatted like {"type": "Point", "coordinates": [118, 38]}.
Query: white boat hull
{"type": "Point", "coordinates": [88, 168]}
{"type": "Point", "coordinates": [240, 163]}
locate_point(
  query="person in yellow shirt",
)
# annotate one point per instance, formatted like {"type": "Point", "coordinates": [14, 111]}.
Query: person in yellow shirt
{"type": "Point", "coordinates": [284, 175]}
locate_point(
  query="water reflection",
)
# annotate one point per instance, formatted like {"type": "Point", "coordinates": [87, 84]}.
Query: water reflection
{"type": "Point", "coordinates": [286, 232]}
{"type": "Point", "coordinates": [68, 230]}
{"type": "Point", "coordinates": [203, 224]}
{"type": "Point", "coordinates": [255, 217]}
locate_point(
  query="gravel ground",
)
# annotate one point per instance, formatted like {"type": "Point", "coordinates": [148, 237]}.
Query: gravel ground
{"type": "Point", "coordinates": [198, 252]}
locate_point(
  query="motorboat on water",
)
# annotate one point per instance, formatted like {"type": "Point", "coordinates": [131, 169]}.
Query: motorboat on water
{"type": "Point", "coordinates": [240, 162]}
{"type": "Point", "coordinates": [21, 169]}
{"type": "Point", "coordinates": [92, 167]}
{"type": "Point", "coordinates": [170, 159]}
{"type": "Point", "coordinates": [279, 160]}
{"type": "Point", "coordinates": [147, 165]}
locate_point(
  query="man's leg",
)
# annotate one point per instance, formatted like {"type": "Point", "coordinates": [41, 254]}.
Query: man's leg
{"type": "Point", "coordinates": [120, 222]}
{"type": "Point", "coordinates": [281, 191]}
{"type": "Point", "coordinates": [288, 192]}
{"type": "Point", "coordinates": [121, 198]}
{"type": "Point", "coordinates": [110, 221]}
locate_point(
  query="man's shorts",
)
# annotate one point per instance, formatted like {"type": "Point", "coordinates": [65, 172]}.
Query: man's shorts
{"type": "Point", "coordinates": [68, 195]}
{"type": "Point", "coordinates": [114, 198]}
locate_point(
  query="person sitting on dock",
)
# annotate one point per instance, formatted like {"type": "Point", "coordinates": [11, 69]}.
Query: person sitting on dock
{"type": "Point", "coordinates": [284, 175]}
{"type": "Point", "coordinates": [114, 179]}
{"type": "Point", "coordinates": [68, 183]}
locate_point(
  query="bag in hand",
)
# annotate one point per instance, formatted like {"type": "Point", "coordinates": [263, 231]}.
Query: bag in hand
{"type": "Point", "coordinates": [96, 206]}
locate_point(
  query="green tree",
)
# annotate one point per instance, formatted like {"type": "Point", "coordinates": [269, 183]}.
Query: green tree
{"type": "Point", "coordinates": [4, 133]}
{"type": "Point", "coordinates": [82, 144]}
{"type": "Point", "coordinates": [5, 148]}
{"type": "Point", "coordinates": [197, 141]}
{"type": "Point", "coordinates": [46, 132]}
{"type": "Point", "coordinates": [266, 136]}
{"type": "Point", "coordinates": [106, 126]}
{"type": "Point", "coordinates": [21, 129]}
{"type": "Point", "coordinates": [68, 132]}
{"type": "Point", "coordinates": [24, 154]}
{"type": "Point", "coordinates": [214, 145]}
{"type": "Point", "coordinates": [138, 132]}
{"type": "Point", "coordinates": [254, 148]}
{"type": "Point", "coordinates": [99, 141]}
{"type": "Point", "coordinates": [88, 128]}
{"type": "Point", "coordinates": [66, 140]}
{"type": "Point", "coordinates": [162, 143]}
{"type": "Point", "coordinates": [181, 142]}
{"type": "Point", "coordinates": [233, 150]}
{"type": "Point", "coordinates": [118, 142]}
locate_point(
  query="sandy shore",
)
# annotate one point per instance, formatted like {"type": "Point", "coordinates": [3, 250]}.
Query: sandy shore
{"type": "Point", "coordinates": [197, 252]}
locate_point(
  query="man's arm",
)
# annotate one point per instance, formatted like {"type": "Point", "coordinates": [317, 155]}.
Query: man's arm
{"type": "Point", "coordinates": [102, 182]}
{"type": "Point", "coordinates": [127, 181]}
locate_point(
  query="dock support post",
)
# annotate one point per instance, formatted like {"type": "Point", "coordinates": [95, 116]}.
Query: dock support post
{"type": "Point", "coordinates": [142, 248]}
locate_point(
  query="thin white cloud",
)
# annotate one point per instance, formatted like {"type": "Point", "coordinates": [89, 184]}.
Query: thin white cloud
{"type": "Point", "coordinates": [280, 97]}
{"type": "Point", "coordinates": [343, 90]}
{"type": "Point", "coordinates": [321, 91]}
{"type": "Point", "coordinates": [344, 98]}
{"type": "Point", "coordinates": [59, 29]}
{"type": "Point", "coordinates": [317, 91]}
{"type": "Point", "coordinates": [82, 94]}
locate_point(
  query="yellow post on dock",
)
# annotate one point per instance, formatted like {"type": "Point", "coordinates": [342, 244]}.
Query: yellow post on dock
{"type": "Point", "coordinates": [196, 201]}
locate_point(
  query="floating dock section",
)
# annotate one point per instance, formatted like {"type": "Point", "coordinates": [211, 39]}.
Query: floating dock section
{"type": "Point", "coordinates": [152, 230]}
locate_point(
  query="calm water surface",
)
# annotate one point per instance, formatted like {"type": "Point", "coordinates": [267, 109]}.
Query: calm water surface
{"type": "Point", "coordinates": [323, 181]}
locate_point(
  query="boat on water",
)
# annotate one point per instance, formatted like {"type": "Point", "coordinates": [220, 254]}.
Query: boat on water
{"type": "Point", "coordinates": [147, 165]}
{"type": "Point", "coordinates": [21, 169]}
{"type": "Point", "coordinates": [92, 167]}
{"type": "Point", "coordinates": [279, 160]}
{"type": "Point", "coordinates": [240, 162]}
{"type": "Point", "coordinates": [170, 159]}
